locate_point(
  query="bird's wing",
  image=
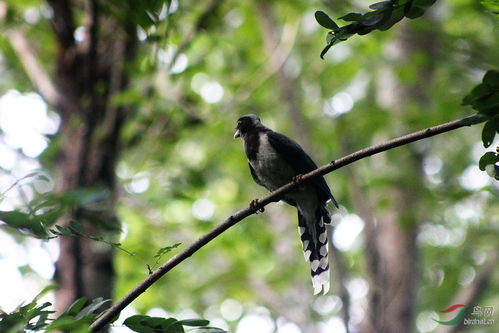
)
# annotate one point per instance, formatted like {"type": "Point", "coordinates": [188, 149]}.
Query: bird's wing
{"type": "Point", "coordinates": [299, 160]}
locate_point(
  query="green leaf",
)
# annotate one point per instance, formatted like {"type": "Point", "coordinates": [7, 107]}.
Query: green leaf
{"type": "Point", "coordinates": [324, 20]}
{"type": "Point", "coordinates": [487, 159]}
{"type": "Point", "coordinates": [46, 290]}
{"type": "Point", "coordinates": [76, 227]}
{"type": "Point", "coordinates": [414, 12]}
{"type": "Point", "coordinates": [146, 324]}
{"type": "Point", "coordinates": [351, 17]}
{"type": "Point", "coordinates": [488, 105]}
{"type": "Point", "coordinates": [38, 311]}
{"type": "Point", "coordinates": [395, 16]}
{"type": "Point", "coordinates": [12, 322]}
{"type": "Point", "coordinates": [491, 79]}
{"type": "Point", "coordinates": [324, 51]}
{"type": "Point", "coordinates": [166, 249]}
{"type": "Point", "coordinates": [485, 97]}
{"type": "Point", "coordinates": [213, 330]}
{"type": "Point", "coordinates": [76, 306]}
{"type": "Point", "coordinates": [372, 18]}
{"type": "Point", "coordinates": [15, 218]}
{"type": "Point", "coordinates": [24, 222]}
{"type": "Point", "coordinates": [489, 131]}
{"type": "Point", "coordinates": [194, 322]}
{"type": "Point", "coordinates": [62, 231]}
{"type": "Point", "coordinates": [476, 93]}
{"type": "Point", "coordinates": [381, 5]}
{"type": "Point", "coordinates": [492, 5]}
{"type": "Point", "coordinates": [424, 3]}
{"type": "Point", "coordinates": [69, 324]}
{"type": "Point", "coordinates": [90, 310]}
{"type": "Point", "coordinates": [49, 217]}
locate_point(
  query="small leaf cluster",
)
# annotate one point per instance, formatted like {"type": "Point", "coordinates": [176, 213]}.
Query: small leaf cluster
{"type": "Point", "coordinates": [484, 98]}
{"type": "Point", "coordinates": [37, 226]}
{"type": "Point", "coordinates": [42, 212]}
{"type": "Point", "coordinates": [383, 16]}
{"type": "Point", "coordinates": [492, 5]}
{"type": "Point", "coordinates": [147, 324]}
{"type": "Point", "coordinates": [34, 317]}
{"type": "Point", "coordinates": [164, 250]}
{"type": "Point", "coordinates": [76, 229]}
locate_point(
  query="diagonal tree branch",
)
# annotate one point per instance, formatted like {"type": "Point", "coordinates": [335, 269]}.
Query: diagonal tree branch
{"type": "Point", "coordinates": [110, 314]}
{"type": "Point", "coordinates": [34, 70]}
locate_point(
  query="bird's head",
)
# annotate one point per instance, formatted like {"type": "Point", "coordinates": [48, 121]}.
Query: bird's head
{"type": "Point", "coordinates": [245, 124]}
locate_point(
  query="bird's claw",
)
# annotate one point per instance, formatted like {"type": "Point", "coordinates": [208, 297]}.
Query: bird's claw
{"type": "Point", "coordinates": [253, 205]}
{"type": "Point", "coordinates": [297, 179]}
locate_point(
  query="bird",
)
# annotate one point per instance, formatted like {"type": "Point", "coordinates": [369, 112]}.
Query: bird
{"type": "Point", "coordinates": [275, 160]}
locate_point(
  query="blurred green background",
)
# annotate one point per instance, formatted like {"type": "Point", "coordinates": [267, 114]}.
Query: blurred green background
{"type": "Point", "coordinates": [180, 172]}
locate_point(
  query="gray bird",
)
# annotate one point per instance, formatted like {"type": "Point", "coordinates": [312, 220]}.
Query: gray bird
{"type": "Point", "coordinates": [275, 160]}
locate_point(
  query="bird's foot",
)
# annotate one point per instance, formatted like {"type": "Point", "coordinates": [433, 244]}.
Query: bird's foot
{"type": "Point", "coordinates": [253, 205]}
{"type": "Point", "coordinates": [297, 179]}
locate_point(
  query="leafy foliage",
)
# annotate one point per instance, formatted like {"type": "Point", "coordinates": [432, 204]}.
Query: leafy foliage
{"type": "Point", "coordinates": [492, 5]}
{"type": "Point", "coordinates": [484, 98]}
{"type": "Point", "coordinates": [35, 317]}
{"type": "Point", "coordinates": [32, 316]}
{"type": "Point", "coordinates": [76, 229]}
{"type": "Point", "coordinates": [44, 210]}
{"type": "Point", "coordinates": [383, 16]}
{"type": "Point", "coordinates": [147, 324]}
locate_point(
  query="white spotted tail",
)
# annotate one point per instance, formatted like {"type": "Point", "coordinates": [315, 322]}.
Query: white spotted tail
{"type": "Point", "coordinates": [313, 235]}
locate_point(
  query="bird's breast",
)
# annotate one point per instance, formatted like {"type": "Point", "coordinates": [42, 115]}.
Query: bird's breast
{"type": "Point", "coordinates": [269, 166]}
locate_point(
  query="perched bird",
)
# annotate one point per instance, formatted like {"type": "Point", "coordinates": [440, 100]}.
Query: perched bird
{"type": "Point", "coordinates": [275, 160]}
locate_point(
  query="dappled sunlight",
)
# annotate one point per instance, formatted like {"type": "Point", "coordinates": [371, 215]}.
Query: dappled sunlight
{"type": "Point", "coordinates": [335, 324]}
{"type": "Point", "coordinates": [346, 233]}
{"type": "Point", "coordinates": [340, 103]}
{"type": "Point", "coordinates": [474, 179]}
{"type": "Point", "coordinates": [327, 304]}
{"type": "Point", "coordinates": [257, 320]}
{"type": "Point", "coordinates": [203, 209]}
{"type": "Point", "coordinates": [438, 235]}
{"type": "Point", "coordinates": [231, 309]}
{"type": "Point", "coordinates": [25, 122]}
{"type": "Point", "coordinates": [150, 111]}
{"type": "Point", "coordinates": [425, 321]}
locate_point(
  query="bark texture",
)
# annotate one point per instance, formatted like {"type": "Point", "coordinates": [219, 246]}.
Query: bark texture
{"type": "Point", "coordinates": [88, 72]}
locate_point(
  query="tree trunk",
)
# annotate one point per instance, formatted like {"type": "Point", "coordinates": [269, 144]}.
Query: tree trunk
{"type": "Point", "coordinates": [88, 73]}
{"type": "Point", "coordinates": [391, 248]}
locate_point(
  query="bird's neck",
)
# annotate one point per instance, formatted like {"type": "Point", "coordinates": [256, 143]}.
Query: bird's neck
{"type": "Point", "coordinates": [252, 141]}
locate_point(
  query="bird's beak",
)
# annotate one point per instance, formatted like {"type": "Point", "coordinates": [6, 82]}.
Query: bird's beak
{"type": "Point", "coordinates": [237, 134]}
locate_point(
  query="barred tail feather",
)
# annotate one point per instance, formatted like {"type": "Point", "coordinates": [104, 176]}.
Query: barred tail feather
{"type": "Point", "coordinates": [314, 239]}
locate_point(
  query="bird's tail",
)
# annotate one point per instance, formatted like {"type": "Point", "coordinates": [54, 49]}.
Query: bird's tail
{"type": "Point", "coordinates": [314, 239]}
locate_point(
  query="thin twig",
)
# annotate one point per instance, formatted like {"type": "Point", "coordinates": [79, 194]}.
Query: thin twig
{"type": "Point", "coordinates": [273, 197]}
